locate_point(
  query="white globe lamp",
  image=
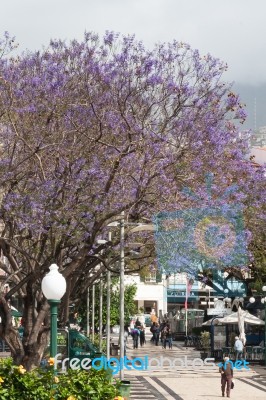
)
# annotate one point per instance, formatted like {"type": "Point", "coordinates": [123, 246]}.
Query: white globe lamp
{"type": "Point", "coordinates": [53, 288]}
{"type": "Point", "coordinates": [54, 284]}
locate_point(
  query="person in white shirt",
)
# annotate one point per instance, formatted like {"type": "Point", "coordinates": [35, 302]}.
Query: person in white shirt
{"type": "Point", "coordinates": [238, 348]}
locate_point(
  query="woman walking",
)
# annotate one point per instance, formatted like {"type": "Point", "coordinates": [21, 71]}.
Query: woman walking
{"type": "Point", "coordinates": [167, 337]}
{"type": "Point", "coordinates": [135, 336]}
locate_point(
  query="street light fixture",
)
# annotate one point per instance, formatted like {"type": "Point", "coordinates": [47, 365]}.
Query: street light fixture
{"type": "Point", "coordinates": [101, 241]}
{"type": "Point", "coordinates": [263, 300]}
{"type": "Point", "coordinates": [138, 228]}
{"type": "Point", "coordinates": [108, 290]}
{"type": "Point", "coordinates": [122, 294]}
{"type": "Point", "coordinates": [53, 288]}
{"type": "Point", "coordinates": [108, 305]}
{"type": "Point", "coordinates": [93, 313]}
{"type": "Point", "coordinates": [252, 300]}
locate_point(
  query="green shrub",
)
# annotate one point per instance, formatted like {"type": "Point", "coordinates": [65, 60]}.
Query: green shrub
{"type": "Point", "coordinates": [96, 342]}
{"type": "Point", "coordinates": [42, 384]}
{"type": "Point", "coordinates": [205, 340]}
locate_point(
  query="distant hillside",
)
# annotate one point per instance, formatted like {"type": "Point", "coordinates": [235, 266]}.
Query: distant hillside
{"type": "Point", "coordinates": [248, 94]}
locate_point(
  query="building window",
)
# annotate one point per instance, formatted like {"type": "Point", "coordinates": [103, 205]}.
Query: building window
{"type": "Point", "coordinates": [151, 277]}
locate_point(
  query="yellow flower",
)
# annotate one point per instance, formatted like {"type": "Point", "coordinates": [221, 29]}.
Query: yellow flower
{"type": "Point", "coordinates": [119, 398]}
{"type": "Point", "coordinates": [51, 361]}
{"type": "Point", "coordinates": [56, 379]}
{"type": "Point", "coordinates": [71, 398]}
{"type": "Point", "coordinates": [1, 380]}
{"type": "Point", "coordinates": [21, 369]}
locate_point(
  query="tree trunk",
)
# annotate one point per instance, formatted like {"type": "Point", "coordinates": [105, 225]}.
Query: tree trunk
{"type": "Point", "coordinates": [8, 333]}
{"type": "Point", "coordinates": [33, 353]}
{"type": "Point", "coordinates": [28, 350]}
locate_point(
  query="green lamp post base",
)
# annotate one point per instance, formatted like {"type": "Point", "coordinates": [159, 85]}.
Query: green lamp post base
{"type": "Point", "coordinates": [53, 334]}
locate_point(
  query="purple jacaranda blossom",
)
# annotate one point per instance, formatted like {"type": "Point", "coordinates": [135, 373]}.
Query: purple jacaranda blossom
{"type": "Point", "coordinates": [92, 128]}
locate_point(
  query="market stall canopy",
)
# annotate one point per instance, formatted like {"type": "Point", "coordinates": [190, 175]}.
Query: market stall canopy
{"type": "Point", "coordinates": [233, 319]}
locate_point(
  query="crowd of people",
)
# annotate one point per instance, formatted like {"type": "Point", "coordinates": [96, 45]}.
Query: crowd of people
{"type": "Point", "coordinates": [160, 332]}
{"type": "Point", "coordinates": [138, 334]}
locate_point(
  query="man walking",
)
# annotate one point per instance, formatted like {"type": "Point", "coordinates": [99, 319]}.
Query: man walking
{"type": "Point", "coordinates": [226, 372]}
{"type": "Point", "coordinates": [238, 348]}
{"type": "Point", "coordinates": [142, 339]}
{"type": "Point", "coordinates": [156, 334]}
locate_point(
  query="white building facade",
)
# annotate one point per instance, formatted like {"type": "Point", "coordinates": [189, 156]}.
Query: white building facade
{"type": "Point", "coordinates": [151, 293]}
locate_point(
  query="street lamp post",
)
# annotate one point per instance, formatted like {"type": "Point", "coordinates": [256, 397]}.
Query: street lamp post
{"type": "Point", "coordinates": [93, 313]}
{"type": "Point", "coordinates": [264, 301]}
{"type": "Point", "coordinates": [139, 227]}
{"type": "Point", "coordinates": [88, 312]}
{"type": "Point", "coordinates": [108, 313]}
{"type": "Point", "coordinates": [121, 291]}
{"type": "Point", "coordinates": [101, 314]}
{"type": "Point", "coordinates": [102, 241]}
{"type": "Point", "coordinates": [122, 294]}
{"type": "Point", "coordinates": [53, 288]}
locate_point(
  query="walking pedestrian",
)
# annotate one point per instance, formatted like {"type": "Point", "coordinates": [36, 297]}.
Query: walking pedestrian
{"type": "Point", "coordinates": [153, 329]}
{"type": "Point", "coordinates": [163, 337]}
{"type": "Point", "coordinates": [142, 339]}
{"type": "Point", "coordinates": [167, 337]}
{"type": "Point", "coordinates": [138, 323]}
{"type": "Point", "coordinates": [162, 326]}
{"type": "Point", "coordinates": [226, 372]}
{"type": "Point", "coordinates": [156, 334]}
{"type": "Point", "coordinates": [135, 336]}
{"type": "Point", "coordinates": [238, 348]}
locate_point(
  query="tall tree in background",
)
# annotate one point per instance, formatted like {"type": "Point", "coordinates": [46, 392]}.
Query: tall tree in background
{"type": "Point", "coordinates": [88, 130]}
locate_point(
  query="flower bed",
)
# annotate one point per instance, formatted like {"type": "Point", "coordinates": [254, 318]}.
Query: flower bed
{"type": "Point", "coordinates": [42, 384]}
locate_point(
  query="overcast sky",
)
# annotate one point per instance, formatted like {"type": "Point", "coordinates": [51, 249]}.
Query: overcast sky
{"type": "Point", "coordinates": [232, 30]}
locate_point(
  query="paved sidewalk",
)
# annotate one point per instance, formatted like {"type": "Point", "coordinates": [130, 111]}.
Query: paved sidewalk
{"type": "Point", "coordinates": [177, 383]}
{"type": "Point", "coordinates": [208, 388]}
{"type": "Point", "coordinates": [260, 369]}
